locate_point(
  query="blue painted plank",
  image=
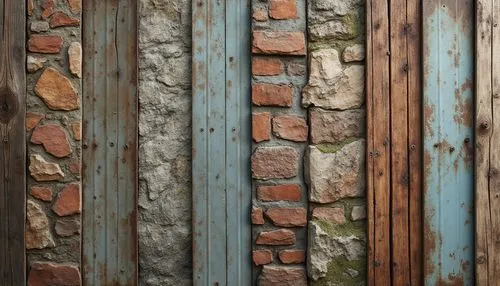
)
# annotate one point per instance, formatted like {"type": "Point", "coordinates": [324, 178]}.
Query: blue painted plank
{"type": "Point", "coordinates": [448, 138]}
{"type": "Point", "coordinates": [221, 143]}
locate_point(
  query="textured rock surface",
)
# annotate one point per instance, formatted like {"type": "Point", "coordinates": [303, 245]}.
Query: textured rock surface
{"type": "Point", "coordinates": [274, 163]}
{"type": "Point", "coordinates": [335, 176]}
{"type": "Point", "coordinates": [53, 274]}
{"type": "Point", "coordinates": [53, 138]}
{"type": "Point", "coordinates": [41, 170]}
{"type": "Point", "coordinates": [75, 59]}
{"type": "Point", "coordinates": [37, 227]}
{"type": "Point", "coordinates": [284, 276]}
{"type": "Point", "coordinates": [331, 85]}
{"type": "Point", "coordinates": [165, 142]}
{"type": "Point", "coordinates": [57, 91]}
{"type": "Point", "coordinates": [328, 126]}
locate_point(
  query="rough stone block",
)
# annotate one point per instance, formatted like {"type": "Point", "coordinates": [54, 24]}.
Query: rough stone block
{"type": "Point", "coordinates": [274, 163]}
{"type": "Point", "coordinates": [329, 126]}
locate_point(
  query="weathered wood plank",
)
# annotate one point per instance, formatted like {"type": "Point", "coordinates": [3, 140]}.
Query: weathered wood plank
{"type": "Point", "coordinates": [487, 182]}
{"type": "Point", "coordinates": [110, 129]}
{"type": "Point", "coordinates": [399, 144]}
{"type": "Point", "coordinates": [13, 143]}
{"type": "Point", "coordinates": [378, 93]}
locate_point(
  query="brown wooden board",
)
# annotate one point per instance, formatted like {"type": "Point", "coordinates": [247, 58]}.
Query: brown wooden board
{"type": "Point", "coordinates": [12, 144]}
{"type": "Point", "coordinates": [487, 172]}
{"type": "Point", "coordinates": [394, 142]}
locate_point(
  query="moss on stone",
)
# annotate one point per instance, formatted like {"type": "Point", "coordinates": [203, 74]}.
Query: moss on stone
{"type": "Point", "coordinates": [334, 148]}
{"type": "Point", "coordinates": [336, 274]}
{"type": "Point", "coordinates": [357, 229]}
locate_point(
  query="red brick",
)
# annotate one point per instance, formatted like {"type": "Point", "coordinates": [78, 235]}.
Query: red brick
{"type": "Point", "coordinates": [61, 19]}
{"type": "Point", "coordinates": [32, 120]}
{"type": "Point", "coordinates": [276, 237]}
{"type": "Point", "coordinates": [333, 215]}
{"type": "Point", "coordinates": [292, 256]}
{"type": "Point", "coordinates": [291, 128]}
{"type": "Point", "coordinates": [283, 9]}
{"type": "Point", "coordinates": [261, 126]}
{"type": "Point", "coordinates": [287, 217]}
{"type": "Point", "coordinates": [274, 163]}
{"type": "Point", "coordinates": [282, 275]}
{"type": "Point", "coordinates": [267, 66]}
{"type": "Point", "coordinates": [41, 193]}
{"type": "Point", "coordinates": [279, 43]}
{"type": "Point", "coordinates": [268, 94]}
{"type": "Point", "coordinates": [75, 6]}
{"type": "Point", "coordinates": [257, 216]}
{"type": "Point", "coordinates": [52, 274]}
{"type": "Point", "coordinates": [68, 201]}
{"type": "Point", "coordinates": [48, 7]}
{"type": "Point", "coordinates": [53, 138]}
{"type": "Point", "coordinates": [262, 257]}
{"type": "Point", "coordinates": [45, 44]}
{"type": "Point", "coordinates": [289, 192]}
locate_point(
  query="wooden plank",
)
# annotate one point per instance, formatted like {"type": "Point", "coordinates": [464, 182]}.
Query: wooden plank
{"type": "Point", "coordinates": [448, 159]}
{"type": "Point", "coordinates": [221, 144]}
{"type": "Point", "coordinates": [109, 154]}
{"type": "Point", "coordinates": [399, 145]}
{"type": "Point", "coordinates": [487, 149]}
{"type": "Point", "coordinates": [13, 142]}
{"type": "Point", "coordinates": [413, 34]}
{"type": "Point", "coordinates": [378, 93]}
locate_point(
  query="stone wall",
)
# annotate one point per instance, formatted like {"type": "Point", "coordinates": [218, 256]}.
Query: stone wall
{"type": "Point", "coordinates": [53, 137]}
{"type": "Point", "coordinates": [165, 142]}
{"type": "Point", "coordinates": [335, 160]}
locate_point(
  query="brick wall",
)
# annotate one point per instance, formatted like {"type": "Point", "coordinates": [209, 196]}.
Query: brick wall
{"type": "Point", "coordinates": [308, 127]}
{"type": "Point", "coordinates": [53, 134]}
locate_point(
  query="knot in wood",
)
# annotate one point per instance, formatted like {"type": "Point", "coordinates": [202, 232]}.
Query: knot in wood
{"type": "Point", "coordinates": [9, 104]}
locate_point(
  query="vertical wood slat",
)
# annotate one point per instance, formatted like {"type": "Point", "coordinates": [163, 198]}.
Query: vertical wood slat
{"type": "Point", "coordinates": [110, 110]}
{"type": "Point", "coordinates": [394, 142]}
{"type": "Point", "coordinates": [12, 144]}
{"type": "Point", "coordinates": [221, 143]}
{"type": "Point", "coordinates": [487, 156]}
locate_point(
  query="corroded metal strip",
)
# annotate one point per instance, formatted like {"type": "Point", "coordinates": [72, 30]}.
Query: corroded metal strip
{"type": "Point", "coordinates": [12, 142]}
{"type": "Point", "coordinates": [110, 124]}
{"type": "Point", "coordinates": [448, 138]}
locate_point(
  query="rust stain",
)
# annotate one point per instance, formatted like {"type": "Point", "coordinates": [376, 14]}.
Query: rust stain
{"type": "Point", "coordinates": [464, 107]}
{"type": "Point", "coordinates": [428, 119]}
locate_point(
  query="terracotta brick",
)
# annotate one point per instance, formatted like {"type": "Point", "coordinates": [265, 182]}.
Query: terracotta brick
{"type": "Point", "coordinates": [287, 217]}
{"type": "Point", "coordinates": [334, 215]}
{"type": "Point", "coordinates": [292, 256]}
{"type": "Point", "coordinates": [267, 94]}
{"type": "Point", "coordinates": [53, 138]}
{"type": "Point", "coordinates": [57, 91]}
{"type": "Point", "coordinates": [48, 273]}
{"type": "Point", "coordinates": [257, 216]}
{"type": "Point", "coordinates": [267, 66]}
{"type": "Point", "coordinates": [75, 6]}
{"type": "Point", "coordinates": [74, 166]}
{"type": "Point", "coordinates": [61, 19]}
{"type": "Point", "coordinates": [262, 257]}
{"type": "Point", "coordinates": [261, 126]}
{"type": "Point", "coordinates": [279, 43]}
{"type": "Point", "coordinates": [276, 237]}
{"type": "Point", "coordinates": [260, 15]}
{"type": "Point", "coordinates": [291, 128]}
{"type": "Point", "coordinates": [41, 193]}
{"type": "Point", "coordinates": [45, 44]}
{"type": "Point", "coordinates": [68, 201]}
{"type": "Point", "coordinates": [282, 275]}
{"type": "Point", "coordinates": [48, 7]}
{"type": "Point", "coordinates": [275, 163]}
{"type": "Point", "coordinates": [290, 192]}
{"type": "Point", "coordinates": [283, 9]}
{"type": "Point", "coordinates": [32, 120]}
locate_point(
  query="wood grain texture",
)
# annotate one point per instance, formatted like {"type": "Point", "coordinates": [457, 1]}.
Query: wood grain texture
{"type": "Point", "coordinates": [394, 142]}
{"type": "Point", "coordinates": [487, 180]}
{"type": "Point", "coordinates": [12, 144]}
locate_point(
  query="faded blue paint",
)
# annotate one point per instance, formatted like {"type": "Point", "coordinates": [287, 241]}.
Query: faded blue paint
{"type": "Point", "coordinates": [221, 143]}
{"type": "Point", "coordinates": [448, 142]}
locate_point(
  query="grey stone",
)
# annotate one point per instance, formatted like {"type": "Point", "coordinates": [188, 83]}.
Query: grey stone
{"type": "Point", "coordinates": [34, 63]}
{"type": "Point", "coordinates": [325, 247]}
{"type": "Point", "coordinates": [355, 53]}
{"type": "Point", "coordinates": [358, 213]}
{"type": "Point", "coordinates": [335, 176]}
{"type": "Point", "coordinates": [334, 29]}
{"type": "Point", "coordinates": [39, 26]}
{"type": "Point", "coordinates": [339, 7]}
{"type": "Point", "coordinates": [67, 227]}
{"type": "Point", "coordinates": [331, 85]}
{"type": "Point", "coordinates": [329, 126]}
{"type": "Point", "coordinates": [38, 234]}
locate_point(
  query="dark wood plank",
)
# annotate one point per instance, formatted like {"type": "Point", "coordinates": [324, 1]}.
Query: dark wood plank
{"type": "Point", "coordinates": [12, 144]}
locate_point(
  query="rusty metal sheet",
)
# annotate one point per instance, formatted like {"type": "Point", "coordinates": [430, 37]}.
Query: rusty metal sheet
{"type": "Point", "coordinates": [221, 143]}
{"type": "Point", "coordinates": [12, 142]}
{"type": "Point", "coordinates": [109, 156]}
{"type": "Point", "coordinates": [448, 142]}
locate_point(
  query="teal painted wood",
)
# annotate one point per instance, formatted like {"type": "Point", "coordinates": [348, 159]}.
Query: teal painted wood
{"type": "Point", "coordinates": [221, 143]}
{"type": "Point", "coordinates": [109, 157]}
{"type": "Point", "coordinates": [448, 142]}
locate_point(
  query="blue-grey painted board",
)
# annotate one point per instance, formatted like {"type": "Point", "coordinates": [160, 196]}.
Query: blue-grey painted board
{"type": "Point", "coordinates": [109, 156]}
{"type": "Point", "coordinates": [448, 142]}
{"type": "Point", "coordinates": [221, 143]}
